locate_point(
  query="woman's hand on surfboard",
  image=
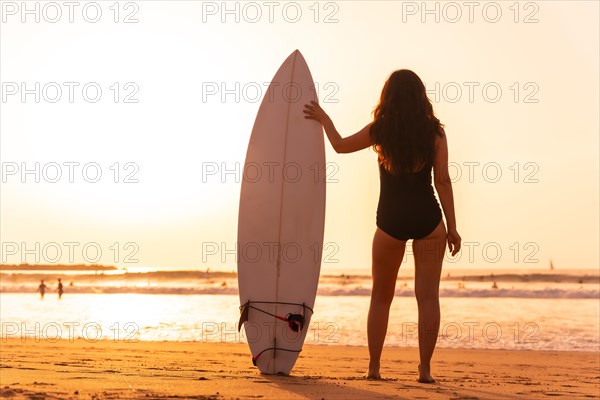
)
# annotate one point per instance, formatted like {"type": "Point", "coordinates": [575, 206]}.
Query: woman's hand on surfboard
{"type": "Point", "coordinates": [314, 111]}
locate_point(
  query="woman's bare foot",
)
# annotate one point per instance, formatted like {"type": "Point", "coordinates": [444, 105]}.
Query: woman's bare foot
{"type": "Point", "coordinates": [424, 375]}
{"type": "Point", "coordinates": [372, 373]}
{"type": "Point", "coordinates": [373, 377]}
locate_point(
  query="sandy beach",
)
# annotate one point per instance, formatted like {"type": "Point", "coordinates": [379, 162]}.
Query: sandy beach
{"type": "Point", "coordinates": [176, 370]}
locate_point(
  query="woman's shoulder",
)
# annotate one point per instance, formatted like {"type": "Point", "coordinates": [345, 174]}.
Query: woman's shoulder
{"type": "Point", "coordinates": [440, 137]}
{"type": "Point", "coordinates": [441, 132]}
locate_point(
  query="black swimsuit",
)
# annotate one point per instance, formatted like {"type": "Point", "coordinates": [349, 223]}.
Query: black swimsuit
{"type": "Point", "coordinates": [407, 209]}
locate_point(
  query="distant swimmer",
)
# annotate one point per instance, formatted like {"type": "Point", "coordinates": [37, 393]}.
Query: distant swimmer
{"type": "Point", "coordinates": [495, 285]}
{"type": "Point", "coordinates": [60, 289]}
{"type": "Point", "coordinates": [42, 289]}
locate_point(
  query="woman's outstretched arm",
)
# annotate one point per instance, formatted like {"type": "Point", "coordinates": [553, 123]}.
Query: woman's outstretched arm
{"type": "Point", "coordinates": [443, 186]}
{"type": "Point", "coordinates": [358, 141]}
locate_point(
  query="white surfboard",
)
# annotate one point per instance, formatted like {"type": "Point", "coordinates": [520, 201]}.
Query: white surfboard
{"type": "Point", "coordinates": [281, 220]}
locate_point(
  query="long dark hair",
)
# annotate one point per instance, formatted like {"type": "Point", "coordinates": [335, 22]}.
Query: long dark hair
{"type": "Point", "coordinates": [404, 125]}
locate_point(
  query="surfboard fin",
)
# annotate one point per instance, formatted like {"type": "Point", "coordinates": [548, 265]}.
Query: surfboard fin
{"type": "Point", "coordinates": [244, 309]}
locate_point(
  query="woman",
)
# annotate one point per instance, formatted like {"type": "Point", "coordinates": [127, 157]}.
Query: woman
{"type": "Point", "coordinates": [410, 141]}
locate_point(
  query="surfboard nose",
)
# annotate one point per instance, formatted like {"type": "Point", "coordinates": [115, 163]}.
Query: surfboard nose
{"type": "Point", "coordinates": [299, 55]}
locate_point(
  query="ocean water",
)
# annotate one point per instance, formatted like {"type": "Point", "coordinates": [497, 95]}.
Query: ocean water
{"type": "Point", "coordinates": [525, 311]}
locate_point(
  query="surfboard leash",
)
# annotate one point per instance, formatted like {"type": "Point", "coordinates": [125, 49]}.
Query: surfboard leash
{"type": "Point", "coordinates": [255, 358]}
{"type": "Point", "coordinates": [295, 321]}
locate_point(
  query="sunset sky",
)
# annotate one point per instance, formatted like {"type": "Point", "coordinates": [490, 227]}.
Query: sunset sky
{"type": "Point", "coordinates": [540, 133]}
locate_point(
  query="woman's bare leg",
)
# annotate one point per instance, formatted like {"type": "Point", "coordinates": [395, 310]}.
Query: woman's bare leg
{"type": "Point", "coordinates": [429, 256]}
{"type": "Point", "coordinates": [387, 256]}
